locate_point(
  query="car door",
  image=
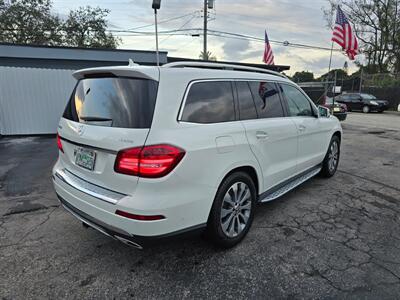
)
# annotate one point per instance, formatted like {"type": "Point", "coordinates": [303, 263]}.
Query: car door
{"type": "Point", "coordinates": [356, 102]}
{"type": "Point", "coordinates": [312, 131]}
{"type": "Point", "coordinates": [271, 136]}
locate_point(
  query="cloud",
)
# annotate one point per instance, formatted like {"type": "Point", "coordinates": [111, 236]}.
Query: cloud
{"type": "Point", "coordinates": [294, 21]}
{"type": "Point", "coordinates": [235, 49]}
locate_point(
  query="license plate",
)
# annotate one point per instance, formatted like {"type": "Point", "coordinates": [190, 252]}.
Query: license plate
{"type": "Point", "coordinates": [85, 158]}
{"type": "Point", "coordinates": [336, 109]}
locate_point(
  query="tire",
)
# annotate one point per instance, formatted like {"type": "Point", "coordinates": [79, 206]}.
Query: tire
{"type": "Point", "coordinates": [365, 109]}
{"type": "Point", "coordinates": [231, 216]}
{"type": "Point", "coordinates": [331, 160]}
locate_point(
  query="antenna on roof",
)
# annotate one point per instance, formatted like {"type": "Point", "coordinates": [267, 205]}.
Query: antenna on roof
{"type": "Point", "coordinates": [132, 63]}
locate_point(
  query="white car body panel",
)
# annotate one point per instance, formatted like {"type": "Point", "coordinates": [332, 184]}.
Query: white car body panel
{"type": "Point", "coordinates": [185, 195]}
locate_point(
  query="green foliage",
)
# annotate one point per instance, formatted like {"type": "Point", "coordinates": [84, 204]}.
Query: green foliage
{"type": "Point", "coordinates": [340, 73]}
{"type": "Point", "coordinates": [29, 22]}
{"type": "Point", "coordinates": [86, 27]}
{"type": "Point", "coordinates": [32, 22]}
{"type": "Point", "coordinates": [209, 56]}
{"type": "Point", "coordinates": [303, 76]}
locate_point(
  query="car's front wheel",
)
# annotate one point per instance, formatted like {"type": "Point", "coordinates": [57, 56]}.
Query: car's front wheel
{"type": "Point", "coordinates": [232, 212]}
{"type": "Point", "coordinates": [331, 160]}
{"type": "Point", "coordinates": [365, 109]}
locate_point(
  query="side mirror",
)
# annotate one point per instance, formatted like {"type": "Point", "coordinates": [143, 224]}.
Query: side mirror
{"type": "Point", "coordinates": [324, 112]}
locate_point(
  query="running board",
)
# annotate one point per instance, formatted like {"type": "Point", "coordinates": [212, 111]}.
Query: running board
{"type": "Point", "coordinates": [275, 193]}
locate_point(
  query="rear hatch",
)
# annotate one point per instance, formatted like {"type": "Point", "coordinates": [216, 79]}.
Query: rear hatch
{"type": "Point", "coordinates": [105, 114]}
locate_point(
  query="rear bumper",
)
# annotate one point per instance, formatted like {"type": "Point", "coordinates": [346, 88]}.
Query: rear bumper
{"type": "Point", "coordinates": [135, 241]}
{"type": "Point", "coordinates": [185, 212]}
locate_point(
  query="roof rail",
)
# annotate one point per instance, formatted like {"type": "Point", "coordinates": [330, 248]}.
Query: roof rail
{"type": "Point", "coordinates": [221, 66]}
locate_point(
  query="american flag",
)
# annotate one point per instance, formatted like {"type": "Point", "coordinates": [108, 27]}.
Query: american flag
{"type": "Point", "coordinates": [268, 55]}
{"type": "Point", "coordinates": [343, 35]}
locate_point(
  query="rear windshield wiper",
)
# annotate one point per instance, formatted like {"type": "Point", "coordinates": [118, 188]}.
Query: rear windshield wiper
{"type": "Point", "coordinates": [95, 119]}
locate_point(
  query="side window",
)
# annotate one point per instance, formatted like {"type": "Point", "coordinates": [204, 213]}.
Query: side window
{"type": "Point", "coordinates": [266, 98]}
{"type": "Point", "coordinates": [355, 98]}
{"type": "Point", "coordinates": [247, 109]}
{"type": "Point", "coordinates": [298, 103]}
{"type": "Point", "coordinates": [209, 102]}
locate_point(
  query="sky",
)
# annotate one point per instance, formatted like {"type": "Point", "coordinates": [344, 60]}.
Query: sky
{"type": "Point", "coordinates": [285, 20]}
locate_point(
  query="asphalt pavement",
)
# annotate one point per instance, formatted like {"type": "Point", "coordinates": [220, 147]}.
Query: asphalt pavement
{"type": "Point", "coordinates": [335, 238]}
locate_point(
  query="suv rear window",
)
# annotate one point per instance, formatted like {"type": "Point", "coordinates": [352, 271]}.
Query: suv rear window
{"type": "Point", "coordinates": [113, 102]}
{"type": "Point", "coordinates": [209, 102]}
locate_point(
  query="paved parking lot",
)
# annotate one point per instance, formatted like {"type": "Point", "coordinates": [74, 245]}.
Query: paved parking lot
{"type": "Point", "coordinates": [328, 238]}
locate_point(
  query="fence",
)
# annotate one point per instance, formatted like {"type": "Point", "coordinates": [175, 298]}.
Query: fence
{"type": "Point", "coordinates": [370, 86]}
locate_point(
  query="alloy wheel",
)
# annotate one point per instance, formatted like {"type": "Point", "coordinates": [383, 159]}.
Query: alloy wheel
{"type": "Point", "coordinates": [235, 209]}
{"type": "Point", "coordinates": [333, 156]}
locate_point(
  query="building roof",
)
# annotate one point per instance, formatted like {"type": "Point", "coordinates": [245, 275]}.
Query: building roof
{"type": "Point", "coordinates": [80, 54]}
{"type": "Point", "coordinates": [56, 57]}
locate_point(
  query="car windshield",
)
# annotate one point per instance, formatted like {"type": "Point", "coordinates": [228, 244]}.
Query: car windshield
{"type": "Point", "coordinates": [368, 96]}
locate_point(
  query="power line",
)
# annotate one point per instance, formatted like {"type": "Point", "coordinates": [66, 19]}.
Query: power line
{"type": "Point", "coordinates": [184, 24]}
{"type": "Point", "coordinates": [166, 21]}
{"type": "Point", "coordinates": [225, 34]}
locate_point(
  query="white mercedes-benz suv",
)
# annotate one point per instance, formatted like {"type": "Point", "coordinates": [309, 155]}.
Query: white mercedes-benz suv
{"type": "Point", "coordinates": [147, 153]}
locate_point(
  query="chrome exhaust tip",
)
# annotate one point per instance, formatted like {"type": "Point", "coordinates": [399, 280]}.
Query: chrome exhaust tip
{"type": "Point", "coordinates": [128, 242]}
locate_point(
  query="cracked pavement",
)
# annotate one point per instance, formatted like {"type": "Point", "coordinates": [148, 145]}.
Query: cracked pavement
{"type": "Point", "coordinates": [335, 238]}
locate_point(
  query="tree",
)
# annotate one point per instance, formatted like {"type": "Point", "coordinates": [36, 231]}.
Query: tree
{"type": "Point", "coordinates": [86, 27]}
{"type": "Point", "coordinates": [303, 76]}
{"type": "Point", "coordinates": [29, 22]}
{"type": "Point", "coordinates": [340, 73]}
{"type": "Point", "coordinates": [208, 56]}
{"type": "Point", "coordinates": [376, 24]}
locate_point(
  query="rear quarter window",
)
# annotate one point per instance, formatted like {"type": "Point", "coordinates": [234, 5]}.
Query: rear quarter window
{"type": "Point", "coordinates": [209, 102]}
{"type": "Point", "coordinates": [113, 102]}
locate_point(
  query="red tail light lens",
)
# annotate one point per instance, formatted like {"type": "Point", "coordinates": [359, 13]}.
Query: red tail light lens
{"type": "Point", "coordinates": [150, 161]}
{"type": "Point", "coordinates": [59, 144]}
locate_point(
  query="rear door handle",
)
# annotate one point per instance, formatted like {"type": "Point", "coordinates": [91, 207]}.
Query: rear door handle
{"type": "Point", "coordinates": [261, 135]}
{"type": "Point", "coordinates": [302, 128]}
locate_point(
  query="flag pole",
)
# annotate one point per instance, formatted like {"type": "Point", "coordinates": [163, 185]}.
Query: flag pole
{"type": "Point", "coordinates": [329, 69]}
{"type": "Point", "coordinates": [330, 59]}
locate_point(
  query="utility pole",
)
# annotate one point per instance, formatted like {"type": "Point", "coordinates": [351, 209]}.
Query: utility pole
{"type": "Point", "coordinates": [205, 30]}
{"type": "Point", "coordinates": [361, 79]}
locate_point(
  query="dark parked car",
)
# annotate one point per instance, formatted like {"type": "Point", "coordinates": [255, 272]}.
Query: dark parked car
{"type": "Point", "coordinates": [362, 102]}
{"type": "Point", "coordinates": [339, 110]}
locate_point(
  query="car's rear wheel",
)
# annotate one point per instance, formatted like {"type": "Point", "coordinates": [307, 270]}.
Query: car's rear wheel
{"type": "Point", "coordinates": [365, 109]}
{"type": "Point", "coordinates": [331, 160]}
{"type": "Point", "coordinates": [232, 212]}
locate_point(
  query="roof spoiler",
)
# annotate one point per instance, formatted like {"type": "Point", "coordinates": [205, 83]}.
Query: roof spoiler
{"type": "Point", "coordinates": [133, 70]}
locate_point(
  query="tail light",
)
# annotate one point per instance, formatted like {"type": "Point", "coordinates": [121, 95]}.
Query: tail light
{"type": "Point", "coordinates": [59, 144]}
{"type": "Point", "coordinates": [150, 161]}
